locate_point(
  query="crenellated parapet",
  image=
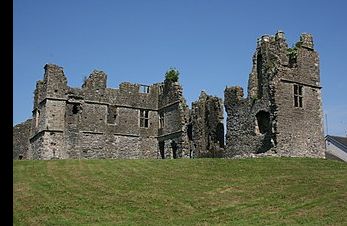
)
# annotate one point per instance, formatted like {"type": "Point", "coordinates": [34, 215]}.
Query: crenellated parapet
{"type": "Point", "coordinates": [96, 81]}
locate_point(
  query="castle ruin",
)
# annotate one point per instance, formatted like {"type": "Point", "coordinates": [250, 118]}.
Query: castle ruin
{"type": "Point", "coordinates": [283, 110]}
{"type": "Point", "coordinates": [282, 114]}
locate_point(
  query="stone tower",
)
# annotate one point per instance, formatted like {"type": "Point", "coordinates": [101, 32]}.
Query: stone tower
{"type": "Point", "coordinates": [48, 115]}
{"type": "Point", "coordinates": [283, 110]}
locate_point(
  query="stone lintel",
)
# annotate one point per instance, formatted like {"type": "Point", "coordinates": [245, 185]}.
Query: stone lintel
{"type": "Point", "coordinates": [300, 83]}
{"type": "Point", "coordinates": [169, 105]}
{"type": "Point", "coordinates": [169, 134]}
{"type": "Point", "coordinates": [126, 135]}
{"type": "Point", "coordinates": [92, 132]}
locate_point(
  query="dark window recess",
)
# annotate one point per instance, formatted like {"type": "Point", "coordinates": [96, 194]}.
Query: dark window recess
{"type": "Point", "coordinates": [220, 134]}
{"type": "Point", "coordinates": [144, 89]}
{"type": "Point", "coordinates": [72, 113]}
{"type": "Point", "coordinates": [263, 121]}
{"type": "Point", "coordinates": [174, 149]}
{"type": "Point", "coordinates": [112, 115]}
{"type": "Point", "coordinates": [190, 131]}
{"type": "Point", "coordinates": [161, 149]}
{"type": "Point", "coordinates": [298, 95]}
{"type": "Point", "coordinates": [75, 109]}
{"type": "Point", "coordinates": [144, 118]}
{"type": "Point", "coordinates": [260, 75]}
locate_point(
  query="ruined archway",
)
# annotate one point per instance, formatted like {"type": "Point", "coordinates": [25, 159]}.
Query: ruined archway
{"type": "Point", "coordinates": [263, 128]}
{"type": "Point", "coordinates": [262, 122]}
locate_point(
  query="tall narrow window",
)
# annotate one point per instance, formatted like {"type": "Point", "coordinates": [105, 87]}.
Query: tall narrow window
{"type": "Point", "coordinates": [298, 95]}
{"type": "Point", "coordinates": [161, 89]}
{"type": "Point", "coordinates": [112, 114]}
{"type": "Point", "coordinates": [161, 120]}
{"type": "Point", "coordinates": [144, 118]}
{"type": "Point", "coordinates": [37, 118]}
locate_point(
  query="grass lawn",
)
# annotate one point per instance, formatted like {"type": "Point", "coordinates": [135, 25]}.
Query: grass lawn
{"type": "Point", "coordinates": [262, 191]}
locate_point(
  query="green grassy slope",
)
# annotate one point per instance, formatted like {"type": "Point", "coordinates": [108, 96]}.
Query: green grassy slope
{"type": "Point", "coordinates": [265, 191]}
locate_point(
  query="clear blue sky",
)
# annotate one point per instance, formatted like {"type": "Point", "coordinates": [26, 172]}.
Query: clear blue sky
{"type": "Point", "coordinates": [210, 42]}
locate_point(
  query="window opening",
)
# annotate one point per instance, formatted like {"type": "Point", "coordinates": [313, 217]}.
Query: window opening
{"type": "Point", "coordinates": [161, 89]}
{"type": "Point", "coordinates": [37, 119]}
{"type": "Point", "coordinates": [75, 109]}
{"type": "Point", "coordinates": [190, 131]}
{"type": "Point", "coordinates": [144, 89]}
{"type": "Point", "coordinates": [161, 120]}
{"type": "Point", "coordinates": [144, 118]}
{"type": "Point", "coordinates": [220, 134]}
{"type": "Point", "coordinates": [262, 122]}
{"type": "Point", "coordinates": [298, 95]}
{"type": "Point", "coordinates": [112, 114]}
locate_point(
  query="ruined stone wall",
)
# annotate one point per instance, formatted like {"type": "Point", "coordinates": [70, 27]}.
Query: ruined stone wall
{"type": "Point", "coordinates": [48, 145]}
{"type": "Point", "coordinates": [271, 118]}
{"type": "Point", "coordinates": [207, 126]}
{"type": "Point", "coordinates": [99, 122]}
{"type": "Point", "coordinates": [173, 115]}
{"type": "Point", "coordinates": [240, 135]}
{"type": "Point", "coordinates": [47, 138]}
{"type": "Point", "coordinates": [21, 135]}
{"type": "Point", "coordinates": [282, 113]}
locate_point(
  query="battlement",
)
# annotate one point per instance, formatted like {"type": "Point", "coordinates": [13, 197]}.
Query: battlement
{"type": "Point", "coordinates": [53, 70]}
{"type": "Point", "coordinates": [233, 95]}
{"type": "Point", "coordinates": [96, 80]}
{"type": "Point", "coordinates": [266, 39]}
{"type": "Point", "coordinates": [306, 40]}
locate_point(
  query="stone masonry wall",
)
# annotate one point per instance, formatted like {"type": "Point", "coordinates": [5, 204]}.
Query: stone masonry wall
{"type": "Point", "coordinates": [271, 118]}
{"type": "Point", "coordinates": [300, 129]}
{"type": "Point", "coordinates": [99, 122]}
{"type": "Point", "coordinates": [21, 134]}
{"type": "Point", "coordinates": [174, 113]}
{"type": "Point", "coordinates": [207, 126]}
{"type": "Point", "coordinates": [281, 114]}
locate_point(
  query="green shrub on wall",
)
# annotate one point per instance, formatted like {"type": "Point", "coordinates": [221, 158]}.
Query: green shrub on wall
{"type": "Point", "coordinates": [172, 75]}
